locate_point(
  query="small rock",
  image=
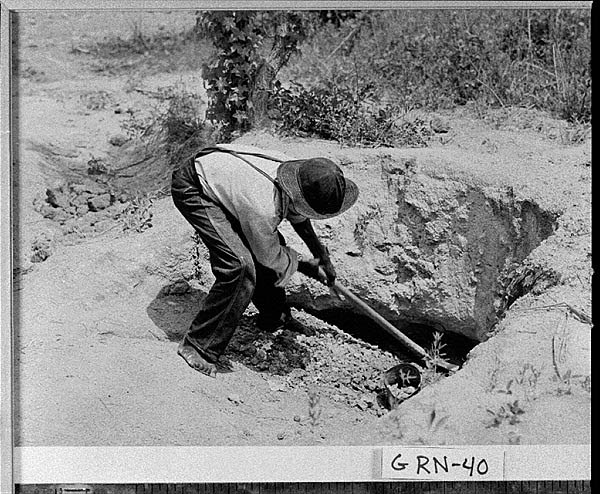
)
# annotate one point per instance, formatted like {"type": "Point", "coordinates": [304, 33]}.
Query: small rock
{"type": "Point", "coordinates": [90, 219]}
{"type": "Point", "coordinates": [97, 203]}
{"type": "Point", "coordinates": [89, 186]}
{"type": "Point", "coordinates": [440, 125]}
{"type": "Point", "coordinates": [235, 399]}
{"type": "Point", "coordinates": [118, 140]}
{"type": "Point", "coordinates": [55, 214]}
{"type": "Point", "coordinates": [281, 436]}
{"type": "Point", "coordinates": [180, 287]}
{"type": "Point", "coordinates": [41, 247]}
{"type": "Point", "coordinates": [297, 418]}
{"type": "Point", "coordinates": [401, 166]}
{"type": "Point", "coordinates": [104, 225]}
{"type": "Point", "coordinates": [71, 225]}
{"type": "Point", "coordinates": [80, 198]}
{"type": "Point", "coordinates": [386, 269]}
{"type": "Point", "coordinates": [97, 166]}
{"type": "Point", "coordinates": [39, 203]}
{"type": "Point", "coordinates": [57, 198]}
{"type": "Point", "coordinates": [361, 405]}
{"type": "Point", "coordinates": [275, 386]}
{"type": "Point", "coordinates": [48, 211]}
{"type": "Point", "coordinates": [86, 230]}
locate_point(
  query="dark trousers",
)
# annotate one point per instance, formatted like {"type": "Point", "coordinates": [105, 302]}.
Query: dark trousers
{"type": "Point", "coordinates": [239, 278]}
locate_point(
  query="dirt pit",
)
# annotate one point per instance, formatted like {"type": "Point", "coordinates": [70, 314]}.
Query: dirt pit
{"type": "Point", "coordinates": [446, 255]}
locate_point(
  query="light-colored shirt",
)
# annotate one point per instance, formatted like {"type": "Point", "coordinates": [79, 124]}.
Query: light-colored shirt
{"type": "Point", "coordinates": [254, 201]}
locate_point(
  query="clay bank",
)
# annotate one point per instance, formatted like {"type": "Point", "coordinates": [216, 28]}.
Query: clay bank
{"type": "Point", "coordinates": [443, 237]}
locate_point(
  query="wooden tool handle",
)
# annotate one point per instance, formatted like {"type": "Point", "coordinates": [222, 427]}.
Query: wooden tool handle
{"type": "Point", "coordinates": [386, 325]}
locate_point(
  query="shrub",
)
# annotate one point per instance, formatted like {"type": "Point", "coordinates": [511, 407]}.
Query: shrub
{"type": "Point", "coordinates": [442, 58]}
{"type": "Point", "coordinates": [251, 48]}
{"type": "Point", "coordinates": [333, 112]}
{"type": "Point", "coordinates": [183, 126]}
{"type": "Point", "coordinates": [175, 128]}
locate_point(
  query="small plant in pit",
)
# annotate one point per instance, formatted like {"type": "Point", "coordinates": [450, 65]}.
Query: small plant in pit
{"type": "Point", "coordinates": [397, 426]}
{"type": "Point", "coordinates": [511, 413]}
{"type": "Point", "coordinates": [435, 355]}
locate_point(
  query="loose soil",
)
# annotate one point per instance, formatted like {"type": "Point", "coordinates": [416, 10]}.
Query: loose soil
{"type": "Point", "coordinates": [484, 235]}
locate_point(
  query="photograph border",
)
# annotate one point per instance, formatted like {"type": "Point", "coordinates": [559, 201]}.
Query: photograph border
{"type": "Point", "coordinates": [117, 457]}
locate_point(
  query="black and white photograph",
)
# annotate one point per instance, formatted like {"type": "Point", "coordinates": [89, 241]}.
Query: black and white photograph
{"type": "Point", "coordinates": [281, 228]}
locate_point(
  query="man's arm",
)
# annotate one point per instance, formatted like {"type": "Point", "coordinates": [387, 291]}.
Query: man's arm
{"type": "Point", "coordinates": [308, 235]}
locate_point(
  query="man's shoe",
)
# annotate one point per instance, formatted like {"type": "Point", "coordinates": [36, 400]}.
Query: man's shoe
{"type": "Point", "coordinates": [270, 325]}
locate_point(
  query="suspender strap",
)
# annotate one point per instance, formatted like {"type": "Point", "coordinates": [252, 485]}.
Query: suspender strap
{"type": "Point", "coordinates": [238, 154]}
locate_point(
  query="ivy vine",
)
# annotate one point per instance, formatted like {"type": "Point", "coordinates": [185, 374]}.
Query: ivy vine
{"type": "Point", "coordinates": [251, 48]}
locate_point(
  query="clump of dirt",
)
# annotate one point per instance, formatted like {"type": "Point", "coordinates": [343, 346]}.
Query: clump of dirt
{"type": "Point", "coordinates": [68, 200]}
{"type": "Point", "coordinates": [42, 247]}
{"type": "Point", "coordinates": [89, 208]}
{"type": "Point", "coordinates": [314, 354]}
{"type": "Point", "coordinates": [277, 353]}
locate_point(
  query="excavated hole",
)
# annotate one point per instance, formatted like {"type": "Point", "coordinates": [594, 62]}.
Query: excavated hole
{"type": "Point", "coordinates": [435, 255]}
{"type": "Point", "coordinates": [452, 257]}
{"type": "Point", "coordinates": [363, 328]}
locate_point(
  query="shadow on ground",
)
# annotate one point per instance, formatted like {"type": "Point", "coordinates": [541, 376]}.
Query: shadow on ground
{"type": "Point", "coordinates": [175, 306]}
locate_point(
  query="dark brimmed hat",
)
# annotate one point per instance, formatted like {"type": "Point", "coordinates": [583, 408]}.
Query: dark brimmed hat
{"type": "Point", "coordinates": [316, 187]}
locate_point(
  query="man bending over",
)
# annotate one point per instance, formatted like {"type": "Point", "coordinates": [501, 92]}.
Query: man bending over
{"type": "Point", "coordinates": [235, 197]}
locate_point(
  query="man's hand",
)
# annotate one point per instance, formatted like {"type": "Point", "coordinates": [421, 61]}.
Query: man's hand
{"type": "Point", "coordinates": [327, 266]}
{"type": "Point", "coordinates": [317, 249]}
{"type": "Point", "coordinates": [312, 269]}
